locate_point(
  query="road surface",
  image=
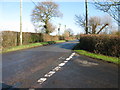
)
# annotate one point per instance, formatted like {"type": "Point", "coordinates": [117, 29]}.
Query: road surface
{"type": "Point", "coordinates": [43, 67]}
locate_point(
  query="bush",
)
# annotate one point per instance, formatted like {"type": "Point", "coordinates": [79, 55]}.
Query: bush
{"type": "Point", "coordinates": [36, 37]}
{"type": "Point", "coordinates": [11, 38]}
{"type": "Point", "coordinates": [61, 38]}
{"type": "Point", "coordinates": [51, 42]}
{"type": "Point", "coordinates": [66, 40]}
{"type": "Point", "coordinates": [102, 44]}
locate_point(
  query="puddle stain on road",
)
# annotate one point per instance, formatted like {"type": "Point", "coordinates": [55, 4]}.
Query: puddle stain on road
{"type": "Point", "coordinates": [85, 62]}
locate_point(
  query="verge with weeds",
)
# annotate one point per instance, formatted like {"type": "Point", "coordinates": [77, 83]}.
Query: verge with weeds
{"type": "Point", "coordinates": [115, 60]}
{"type": "Point", "coordinates": [5, 50]}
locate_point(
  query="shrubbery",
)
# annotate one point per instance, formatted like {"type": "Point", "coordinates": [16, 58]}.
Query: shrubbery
{"type": "Point", "coordinates": [11, 38]}
{"type": "Point", "coordinates": [102, 44]}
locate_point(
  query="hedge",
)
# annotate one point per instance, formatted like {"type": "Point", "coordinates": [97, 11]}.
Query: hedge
{"type": "Point", "coordinates": [102, 44]}
{"type": "Point", "coordinates": [11, 38]}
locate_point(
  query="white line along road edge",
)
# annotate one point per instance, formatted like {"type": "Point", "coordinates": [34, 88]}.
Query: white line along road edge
{"type": "Point", "coordinates": [53, 71]}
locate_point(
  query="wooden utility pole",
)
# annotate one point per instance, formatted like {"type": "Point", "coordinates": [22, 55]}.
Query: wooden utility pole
{"type": "Point", "coordinates": [20, 22]}
{"type": "Point", "coordinates": [119, 16]}
{"type": "Point", "coordinates": [86, 24]}
{"type": "Point", "coordinates": [65, 27]}
{"type": "Point", "coordinates": [59, 29]}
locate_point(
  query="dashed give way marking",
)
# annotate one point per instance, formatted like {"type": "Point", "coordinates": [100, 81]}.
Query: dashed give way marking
{"type": "Point", "coordinates": [53, 71]}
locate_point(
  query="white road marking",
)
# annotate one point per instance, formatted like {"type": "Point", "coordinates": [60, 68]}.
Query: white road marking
{"type": "Point", "coordinates": [61, 64]}
{"type": "Point", "coordinates": [49, 74]}
{"type": "Point", "coordinates": [65, 61]}
{"type": "Point", "coordinates": [68, 59]}
{"type": "Point", "coordinates": [53, 71]}
{"type": "Point", "coordinates": [31, 89]}
{"type": "Point", "coordinates": [60, 58]}
{"type": "Point", "coordinates": [56, 68]}
{"type": "Point", "coordinates": [73, 54]}
{"type": "Point", "coordinates": [41, 80]}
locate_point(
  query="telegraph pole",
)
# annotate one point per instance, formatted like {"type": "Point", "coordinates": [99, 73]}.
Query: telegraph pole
{"type": "Point", "coordinates": [65, 27]}
{"type": "Point", "coordinates": [86, 24]}
{"type": "Point", "coordinates": [119, 16]}
{"type": "Point", "coordinates": [20, 22]}
{"type": "Point", "coordinates": [59, 29]}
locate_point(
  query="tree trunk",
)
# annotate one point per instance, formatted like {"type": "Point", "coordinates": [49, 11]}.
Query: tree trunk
{"type": "Point", "coordinates": [93, 29]}
{"type": "Point", "coordinates": [46, 27]}
{"type": "Point", "coordinates": [102, 28]}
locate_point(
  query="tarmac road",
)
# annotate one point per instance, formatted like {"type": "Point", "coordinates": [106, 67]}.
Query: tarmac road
{"type": "Point", "coordinates": [27, 69]}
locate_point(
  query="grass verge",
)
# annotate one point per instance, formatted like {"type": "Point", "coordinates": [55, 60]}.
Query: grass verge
{"type": "Point", "coordinates": [99, 56]}
{"type": "Point", "coordinates": [59, 41]}
{"type": "Point", "coordinates": [5, 50]}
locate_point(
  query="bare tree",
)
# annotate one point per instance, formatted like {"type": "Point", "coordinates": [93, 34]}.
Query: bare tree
{"type": "Point", "coordinates": [43, 13]}
{"type": "Point", "coordinates": [80, 21]}
{"type": "Point", "coordinates": [50, 27]}
{"type": "Point", "coordinates": [112, 7]}
{"type": "Point", "coordinates": [70, 31]}
{"type": "Point", "coordinates": [99, 23]}
{"type": "Point", "coordinates": [66, 33]}
{"type": "Point", "coordinates": [96, 24]}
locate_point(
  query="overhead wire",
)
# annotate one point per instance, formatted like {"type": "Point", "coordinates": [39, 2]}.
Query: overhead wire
{"type": "Point", "coordinates": [34, 3]}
